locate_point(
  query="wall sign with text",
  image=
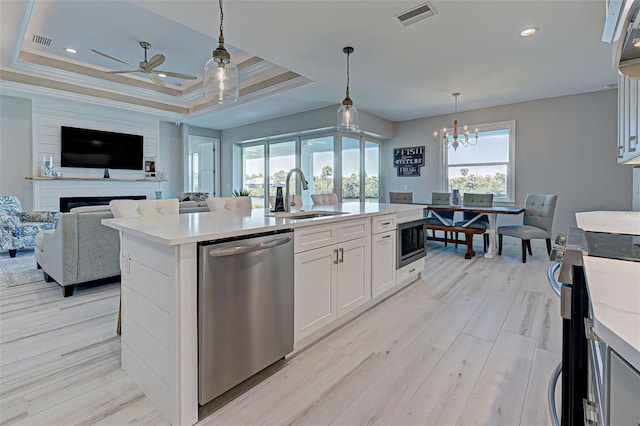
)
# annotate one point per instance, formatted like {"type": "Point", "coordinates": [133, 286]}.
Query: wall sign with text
{"type": "Point", "coordinates": [408, 160]}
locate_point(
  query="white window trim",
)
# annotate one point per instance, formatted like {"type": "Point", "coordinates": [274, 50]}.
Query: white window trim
{"type": "Point", "coordinates": [511, 166]}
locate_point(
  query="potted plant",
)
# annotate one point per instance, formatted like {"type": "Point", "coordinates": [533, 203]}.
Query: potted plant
{"type": "Point", "coordinates": [241, 193]}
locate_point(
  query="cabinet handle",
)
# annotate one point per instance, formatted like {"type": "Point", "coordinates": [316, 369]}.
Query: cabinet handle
{"type": "Point", "coordinates": [590, 412]}
{"type": "Point", "coordinates": [341, 255]}
{"type": "Point", "coordinates": [384, 237]}
{"type": "Point", "coordinates": [620, 151]}
{"type": "Point", "coordinates": [335, 251]}
{"type": "Point", "coordinates": [412, 270]}
{"type": "Point", "coordinates": [588, 330]}
{"type": "Point", "coordinates": [632, 139]}
{"type": "Point", "coordinates": [385, 223]}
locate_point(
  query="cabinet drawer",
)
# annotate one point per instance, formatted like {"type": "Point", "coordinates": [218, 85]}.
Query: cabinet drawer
{"type": "Point", "coordinates": [383, 223]}
{"type": "Point", "coordinates": [314, 237]}
{"type": "Point", "coordinates": [352, 229]}
{"type": "Point", "coordinates": [409, 270]}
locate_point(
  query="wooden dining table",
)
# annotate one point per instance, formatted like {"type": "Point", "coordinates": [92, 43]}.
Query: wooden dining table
{"type": "Point", "coordinates": [492, 213]}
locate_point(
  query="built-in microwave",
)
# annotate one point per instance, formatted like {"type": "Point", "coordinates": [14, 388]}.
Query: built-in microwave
{"type": "Point", "coordinates": [411, 242]}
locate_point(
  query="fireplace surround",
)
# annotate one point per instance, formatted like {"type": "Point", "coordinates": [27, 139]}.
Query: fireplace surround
{"type": "Point", "coordinates": [67, 203]}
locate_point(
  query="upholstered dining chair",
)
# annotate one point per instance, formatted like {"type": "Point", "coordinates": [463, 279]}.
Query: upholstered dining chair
{"type": "Point", "coordinates": [330, 198]}
{"type": "Point", "coordinates": [440, 198]}
{"type": "Point", "coordinates": [402, 198]}
{"type": "Point", "coordinates": [536, 224]}
{"type": "Point", "coordinates": [477, 200]}
{"type": "Point", "coordinates": [219, 204]}
{"type": "Point", "coordinates": [139, 208]}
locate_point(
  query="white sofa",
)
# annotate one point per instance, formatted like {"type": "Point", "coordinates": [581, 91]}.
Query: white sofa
{"type": "Point", "coordinates": [80, 249]}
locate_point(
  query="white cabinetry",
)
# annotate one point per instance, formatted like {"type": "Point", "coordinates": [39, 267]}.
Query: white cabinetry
{"type": "Point", "coordinates": [623, 399]}
{"type": "Point", "coordinates": [383, 254]}
{"type": "Point", "coordinates": [628, 120]}
{"type": "Point", "coordinates": [332, 273]}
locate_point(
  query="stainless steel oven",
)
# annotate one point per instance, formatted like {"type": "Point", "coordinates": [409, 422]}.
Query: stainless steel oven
{"type": "Point", "coordinates": [411, 242]}
{"type": "Point", "coordinates": [584, 356]}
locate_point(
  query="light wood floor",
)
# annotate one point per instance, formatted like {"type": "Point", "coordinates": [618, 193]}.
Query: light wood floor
{"type": "Point", "coordinates": [474, 342]}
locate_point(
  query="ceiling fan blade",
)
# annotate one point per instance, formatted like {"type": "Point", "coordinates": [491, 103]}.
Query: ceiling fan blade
{"type": "Point", "coordinates": [120, 72]}
{"type": "Point", "coordinates": [155, 78]}
{"type": "Point", "coordinates": [177, 75]}
{"type": "Point", "coordinates": [156, 60]}
{"type": "Point", "coordinates": [112, 57]}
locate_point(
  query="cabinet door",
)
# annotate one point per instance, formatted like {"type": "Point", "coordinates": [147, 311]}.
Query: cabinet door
{"type": "Point", "coordinates": [383, 262]}
{"type": "Point", "coordinates": [623, 392]}
{"type": "Point", "coordinates": [315, 275]}
{"type": "Point", "coordinates": [352, 229]}
{"type": "Point", "coordinates": [354, 274]}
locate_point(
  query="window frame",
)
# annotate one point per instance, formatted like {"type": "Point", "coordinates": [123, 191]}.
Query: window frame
{"type": "Point", "coordinates": [511, 164]}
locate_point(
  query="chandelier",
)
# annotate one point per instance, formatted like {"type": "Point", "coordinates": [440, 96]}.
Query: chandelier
{"type": "Point", "coordinates": [454, 140]}
{"type": "Point", "coordinates": [220, 74]}
{"type": "Point", "coordinates": [347, 114]}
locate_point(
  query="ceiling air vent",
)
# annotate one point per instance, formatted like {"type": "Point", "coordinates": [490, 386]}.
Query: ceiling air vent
{"type": "Point", "coordinates": [416, 14]}
{"type": "Point", "coordinates": [41, 40]}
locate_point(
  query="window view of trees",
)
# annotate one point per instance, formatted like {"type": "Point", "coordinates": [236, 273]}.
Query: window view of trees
{"type": "Point", "coordinates": [495, 184]}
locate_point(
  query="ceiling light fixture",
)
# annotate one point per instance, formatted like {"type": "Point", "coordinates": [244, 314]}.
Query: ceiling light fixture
{"type": "Point", "coordinates": [347, 114]}
{"type": "Point", "coordinates": [220, 74]}
{"type": "Point", "coordinates": [528, 32]}
{"type": "Point", "coordinates": [71, 50]}
{"type": "Point", "coordinates": [454, 141]}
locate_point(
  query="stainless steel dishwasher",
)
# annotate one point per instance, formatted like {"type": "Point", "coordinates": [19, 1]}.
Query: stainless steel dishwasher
{"type": "Point", "coordinates": [245, 308]}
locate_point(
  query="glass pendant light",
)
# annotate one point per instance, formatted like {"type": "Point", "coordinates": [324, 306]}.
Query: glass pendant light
{"type": "Point", "coordinates": [347, 114]}
{"type": "Point", "coordinates": [220, 74]}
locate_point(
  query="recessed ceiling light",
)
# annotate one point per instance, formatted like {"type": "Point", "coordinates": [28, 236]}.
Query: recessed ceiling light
{"type": "Point", "coordinates": [71, 50]}
{"type": "Point", "coordinates": [529, 32]}
{"type": "Point", "coordinates": [162, 75]}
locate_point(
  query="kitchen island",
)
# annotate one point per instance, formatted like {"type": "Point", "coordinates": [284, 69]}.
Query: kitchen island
{"type": "Point", "coordinates": [159, 287]}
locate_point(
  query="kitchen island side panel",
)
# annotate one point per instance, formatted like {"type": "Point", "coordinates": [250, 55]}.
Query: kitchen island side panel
{"type": "Point", "coordinates": [159, 325]}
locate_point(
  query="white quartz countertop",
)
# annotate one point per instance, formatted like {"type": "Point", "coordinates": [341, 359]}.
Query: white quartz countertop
{"type": "Point", "coordinates": [614, 290]}
{"type": "Point", "coordinates": [193, 227]}
{"type": "Point", "coordinates": [614, 285]}
{"type": "Point", "coordinates": [617, 222]}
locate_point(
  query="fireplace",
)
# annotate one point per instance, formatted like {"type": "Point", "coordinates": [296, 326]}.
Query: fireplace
{"type": "Point", "coordinates": [67, 203]}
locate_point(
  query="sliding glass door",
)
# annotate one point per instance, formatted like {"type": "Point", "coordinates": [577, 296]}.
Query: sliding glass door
{"type": "Point", "coordinates": [346, 164]}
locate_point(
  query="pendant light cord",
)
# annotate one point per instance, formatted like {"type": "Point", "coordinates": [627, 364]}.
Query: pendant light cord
{"type": "Point", "coordinates": [348, 70]}
{"type": "Point", "coordinates": [221, 17]}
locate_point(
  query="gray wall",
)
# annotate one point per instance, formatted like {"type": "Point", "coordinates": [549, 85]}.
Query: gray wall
{"type": "Point", "coordinates": [564, 146]}
{"type": "Point", "coordinates": [15, 149]}
{"type": "Point", "coordinates": [170, 146]}
{"type": "Point", "coordinates": [323, 118]}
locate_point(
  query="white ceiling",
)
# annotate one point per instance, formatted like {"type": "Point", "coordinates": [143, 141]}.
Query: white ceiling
{"type": "Point", "coordinates": [294, 52]}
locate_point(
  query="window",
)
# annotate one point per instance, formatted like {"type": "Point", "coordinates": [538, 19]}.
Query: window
{"type": "Point", "coordinates": [332, 162]}
{"type": "Point", "coordinates": [317, 162]}
{"type": "Point", "coordinates": [487, 167]}
{"type": "Point", "coordinates": [253, 172]}
{"type": "Point", "coordinates": [350, 169]}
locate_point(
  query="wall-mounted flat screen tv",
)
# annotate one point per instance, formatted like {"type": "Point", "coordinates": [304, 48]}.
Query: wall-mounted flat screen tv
{"type": "Point", "coordinates": [99, 149]}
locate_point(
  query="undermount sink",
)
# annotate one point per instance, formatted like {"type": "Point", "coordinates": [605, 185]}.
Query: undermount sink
{"type": "Point", "coordinates": [306, 215]}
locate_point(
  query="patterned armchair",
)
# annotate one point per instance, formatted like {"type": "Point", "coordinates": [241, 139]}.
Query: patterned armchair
{"type": "Point", "coordinates": [193, 196]}
{"type": "Point", "coordinates": [18, 229]}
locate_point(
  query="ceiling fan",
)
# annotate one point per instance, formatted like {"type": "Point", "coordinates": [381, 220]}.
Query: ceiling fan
{"type": "Point", "coordinates": [147, 67]}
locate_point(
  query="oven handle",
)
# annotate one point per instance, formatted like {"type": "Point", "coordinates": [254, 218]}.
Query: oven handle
{"type": "Point", "coordinates": [551, 394]}
{"type": "Point", "coordinates": [551, 276]}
